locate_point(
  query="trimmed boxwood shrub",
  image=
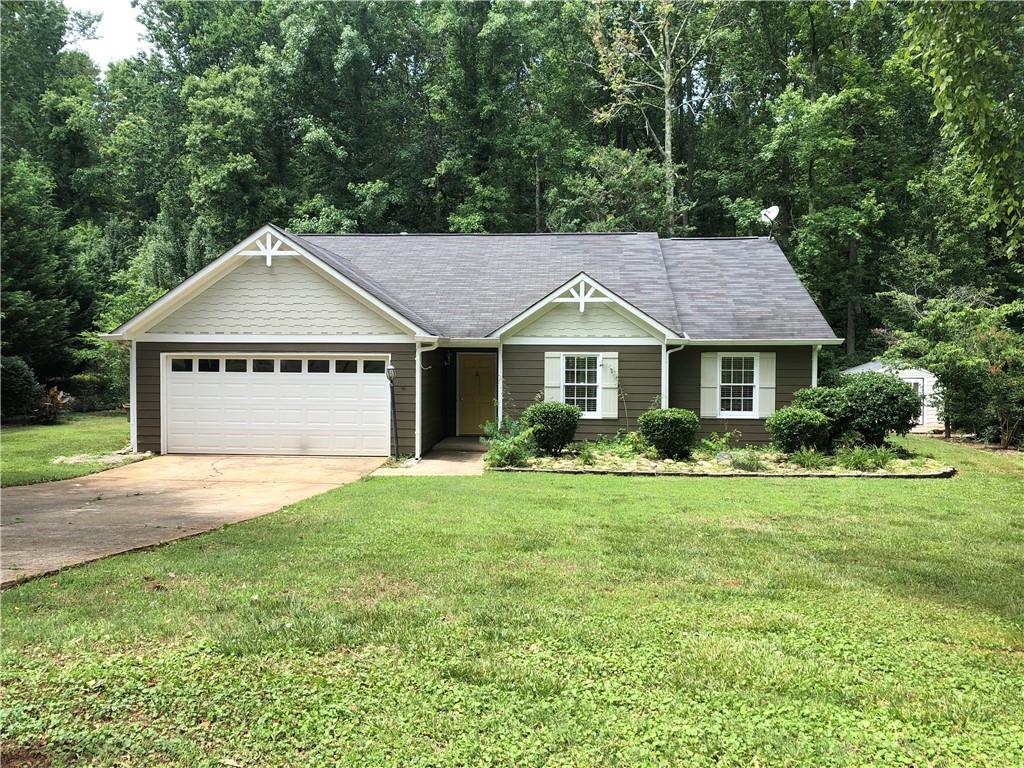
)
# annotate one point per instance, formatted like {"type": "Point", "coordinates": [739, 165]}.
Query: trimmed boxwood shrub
{"type": "Point", "coordinates": [670, 430]}
{"type": "Point", "coordinates": [880, 403]}
{"type": "Point", "coordinates": [18, 386]}
{"type": "Point", "coordinates": [552, 425]}
{"type": "Point", "coordinates": [834, 404]}
{"type": "Point", "coordinates": [794, 428]}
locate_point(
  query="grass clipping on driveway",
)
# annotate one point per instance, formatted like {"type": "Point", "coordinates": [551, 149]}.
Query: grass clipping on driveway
{"type": "Point", "coordinates": [548, 620]}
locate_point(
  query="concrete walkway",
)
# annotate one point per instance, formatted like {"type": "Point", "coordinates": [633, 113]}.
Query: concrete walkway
{"type": "Point", "coordinates": [452, 457]}
{"type": "Point", "coordinates": [50, 526]}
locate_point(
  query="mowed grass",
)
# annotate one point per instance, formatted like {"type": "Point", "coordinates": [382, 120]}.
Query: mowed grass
{"type": "Point", "coordinates": [27, 452]}
{"type": "Point", "coordinates": [548, 620]}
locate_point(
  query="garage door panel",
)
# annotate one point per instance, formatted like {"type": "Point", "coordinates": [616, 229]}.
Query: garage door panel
{"type": "Point", "coordinates": [287, 413]}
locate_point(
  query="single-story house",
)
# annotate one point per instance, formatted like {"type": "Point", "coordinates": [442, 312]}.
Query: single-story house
{"type": "Point", "coordinates": [923, 382]}
{"type": "Point", "coordinates": [286, 343]}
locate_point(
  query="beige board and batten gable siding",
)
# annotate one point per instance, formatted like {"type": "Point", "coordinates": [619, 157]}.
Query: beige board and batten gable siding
{"type": "Point", "coordinates": [792, 372]}
{"type": "Point", "coordinates": [147, 365]}
{"type": "Point", "coordinates": [639, 381]}
{"type": "Point", "coordinates": [287, 298]}
{"type": "Point", "coordinates": [597, 321]}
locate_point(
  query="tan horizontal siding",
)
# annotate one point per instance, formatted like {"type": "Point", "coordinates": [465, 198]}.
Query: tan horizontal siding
{"type": "Point", "coordinates": [792, 372]}
{"type": "Point", "coordinates": [147, 362]}
{"type": "Point", "coordinates": [639, 382]}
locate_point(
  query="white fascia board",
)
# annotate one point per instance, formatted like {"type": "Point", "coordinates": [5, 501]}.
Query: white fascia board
{"type": "Point", "coordinates": [217, 338]}
{"type": "Point", "coordinates": [482, 341]}
{"type": "Point", "coordinates": [603, 341]}
{"type": "Point", "coordinates": [216, 269]}
{"type": "Point", "coordinates": [759, 342]}
{"type": "Point", "coordinates": [662, 332]}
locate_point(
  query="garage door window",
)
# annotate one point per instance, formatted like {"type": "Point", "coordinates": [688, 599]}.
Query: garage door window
{"type": "Point", "coordinates": [373, 366]}
{"type": "Point", "coordinates": [263, 366]}
{"type": "Point", "coordinates": [181, 364]}
{"type": "Point", "coordinates": [318, 366]}
{"type": "Point", "coordinates": [346, 366]}
{"type": "Point", "coordinates": [291, 366]}
{"type": "Point", "coordinates": [236, 366]}
{"type": "Point", "coordinates": [209, 365]}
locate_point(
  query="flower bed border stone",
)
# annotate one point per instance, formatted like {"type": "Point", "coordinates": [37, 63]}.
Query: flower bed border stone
{"type": "Point", "coordinates": [945, 472]}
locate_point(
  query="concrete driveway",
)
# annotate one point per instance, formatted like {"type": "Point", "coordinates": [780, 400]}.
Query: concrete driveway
{"type": "Point", "coordinates": [53, 525]}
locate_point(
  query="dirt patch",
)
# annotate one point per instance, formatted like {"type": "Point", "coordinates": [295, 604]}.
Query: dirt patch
{"type": "Point", "coordinates": [376, 588]}
{"type": "Point", "coordinates": [15, 756]}
{"type": "Point", "coordinates": [117, 457]}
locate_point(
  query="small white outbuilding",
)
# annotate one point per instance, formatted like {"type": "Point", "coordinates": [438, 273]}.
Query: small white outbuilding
{"type": "Point", "coordinates": [923, 382]}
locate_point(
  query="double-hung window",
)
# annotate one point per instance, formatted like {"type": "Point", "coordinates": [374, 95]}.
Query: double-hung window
{"type": "Point", "coordinates": [580, 382]}
{"type": "Point", "coordinates": [737, 385]}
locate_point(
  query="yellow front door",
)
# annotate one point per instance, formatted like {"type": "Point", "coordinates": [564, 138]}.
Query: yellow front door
{"type": "Point", "coordinates": [478, 390]}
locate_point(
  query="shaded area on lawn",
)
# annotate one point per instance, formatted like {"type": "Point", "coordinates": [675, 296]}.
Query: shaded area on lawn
{"type": "Point", "coordinates": [531, 619]}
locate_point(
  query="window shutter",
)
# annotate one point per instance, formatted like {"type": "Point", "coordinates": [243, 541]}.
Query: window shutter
{"type": "Point", "coordinates": [766, 385]}
{"type": "Point", "coordinates": [552, 376]}
{"type": "Point", "coordinates": [610, 385]}
{"type": "Point", "coordinates": [709, 385]}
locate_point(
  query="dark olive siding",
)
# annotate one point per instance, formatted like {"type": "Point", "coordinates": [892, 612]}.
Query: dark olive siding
{"type": "Point", "coordinates": [639, 382]}
{"type": "Point", "coordinates": [792, 372]}
{"type": "Point", "coordinates": [147, 361]}
{"type": "Point", "coordinates": [433, 378]}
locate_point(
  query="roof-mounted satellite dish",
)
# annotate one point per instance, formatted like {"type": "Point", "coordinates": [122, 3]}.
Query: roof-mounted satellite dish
{"type": "Point", "coordinates": [768, 216]}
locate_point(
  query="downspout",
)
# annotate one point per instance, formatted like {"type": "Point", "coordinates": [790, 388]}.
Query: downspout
{"type": "Point", "coordinates": [665, 352]}
{"type": "Point", "coordinates": [420, 349]}
{"type": "Point", "coordinates": [814, 365]}
{"type": "Point", "coordinates": [501, 382]}
{"type": "Point", "coordinates": [133, 401]}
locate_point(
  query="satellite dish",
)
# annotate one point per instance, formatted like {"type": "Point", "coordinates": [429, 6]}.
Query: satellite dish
{"type": "Point", "coordinates": [769, 215]}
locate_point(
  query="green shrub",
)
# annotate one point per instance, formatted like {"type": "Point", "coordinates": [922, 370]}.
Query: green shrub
{"type": "Point", "coordinates": [794, 428]}
{"type": "Point", "coordinates": [865, 458]}
{"type": "Point", "coordinates": [499, 430]}
{"type": "Point", "coordinates": [552, 424]}
{"type": "Point", "coordinates": [809, 458]}
{"type": "Point", "coordinates": [670, 431]}
{"type": "Point", "coordinates": [18, 386]}
{"type": "Point", "coordinates": [512, 451]}
{"type": "Point", "coordinates": [586, 455]}
{"type": "Point", "coordinates": [715, 443]}
{"type": "Point", "coordinates": [831, 401]}
{"type": "Point", "coordinates": [747, 460]}
{"type": "Point", "coordinates": [880, 403]}
{"type": "Point", "coordinates": [92, 392]}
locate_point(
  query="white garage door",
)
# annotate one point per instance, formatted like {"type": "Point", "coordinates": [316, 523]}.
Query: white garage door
{"type": "Point", "coordinates": [276, 404]}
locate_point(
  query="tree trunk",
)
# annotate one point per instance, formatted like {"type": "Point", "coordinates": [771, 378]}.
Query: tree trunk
{"type": "Point", "coordinates": [851, 301]}
{"type": "Point", "coordinates": [670, 171]}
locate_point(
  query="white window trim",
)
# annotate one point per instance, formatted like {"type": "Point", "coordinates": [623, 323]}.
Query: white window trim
{"type": "Point", "coordinates": [755, 414]}
{"type": "Point", "coordinates": [600, 380]}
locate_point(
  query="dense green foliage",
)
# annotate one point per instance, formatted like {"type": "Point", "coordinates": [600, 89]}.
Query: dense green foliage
{"type": "Point", "coordinates": [670, 430]}
{"type": "Point", "coordinates": [834, 404]}
{"type": "Point", "coordinates": [880, 405]}
{"type": "Point", "coordinates": [499, 116]}
{"type": "Point", "coordinates": [18, 386]}
{"type": "Point", "coordinates": [551, 425]}
{"type": "Point", "coordinates": [512, 620]}
{"type": "Point", "coordinates": [511, 450]}
{"type": "Point", "coordinates": [794, 428]}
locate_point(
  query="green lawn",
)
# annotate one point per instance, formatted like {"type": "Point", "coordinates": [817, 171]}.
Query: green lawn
{"type": "Point", "coordinates": [548, 620]}
{"type": "Point", "coordinates": [27, 453]}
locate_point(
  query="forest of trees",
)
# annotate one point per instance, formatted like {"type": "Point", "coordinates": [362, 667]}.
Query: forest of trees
{"type": "Point", "coordinates": [890, 134]}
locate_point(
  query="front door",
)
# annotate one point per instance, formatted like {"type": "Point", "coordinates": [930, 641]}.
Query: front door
{"type": "Point", "coordinates": [478, 390]}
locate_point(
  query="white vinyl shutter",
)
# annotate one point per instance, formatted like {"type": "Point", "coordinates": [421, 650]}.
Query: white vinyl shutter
{"type": "Point", "coordinates": [709, 385]}
{"type": "Point", "coordinates": [610, 385]}
{"type": "Point", "coordinates": [766, 385]}
{"type": "Point", "coordinates": [552, 376]}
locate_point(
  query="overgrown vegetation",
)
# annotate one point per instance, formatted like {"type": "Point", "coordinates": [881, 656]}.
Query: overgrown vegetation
{"type": "Point", "coordinates": [508, 117]}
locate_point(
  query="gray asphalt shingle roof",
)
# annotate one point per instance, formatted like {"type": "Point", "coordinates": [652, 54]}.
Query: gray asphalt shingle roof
{"type": "Point", "coordinates": [468, 285]}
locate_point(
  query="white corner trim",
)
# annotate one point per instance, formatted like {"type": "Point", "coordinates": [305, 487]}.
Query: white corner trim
{"type": "Point", "coordinates": [733, 415]}
{"type": "Point", "coordinates": [133, 403]}
{"type": "Point", "coordinates": [583, 287]}
{"type": "Point", "coordinates": [665, 352]}
{"type": "Point", "coordinates": [549, 341]}
{"type": "Point", "coordinates": [501, 383]}
{"type": "Point", "coordinates": [814, 365]}
{"type": "Point", "coordinates": [420, 349]}
{"type": "Point", "coordinates": [232, 258]}
{"type": "Point", "coordinates": [221, 338]}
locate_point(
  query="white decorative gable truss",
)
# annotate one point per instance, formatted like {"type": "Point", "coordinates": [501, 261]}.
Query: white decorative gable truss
{"type": "Point", "coordinates": [266, 243]}
{"type": "Point", "coordinates": [582, 291]}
